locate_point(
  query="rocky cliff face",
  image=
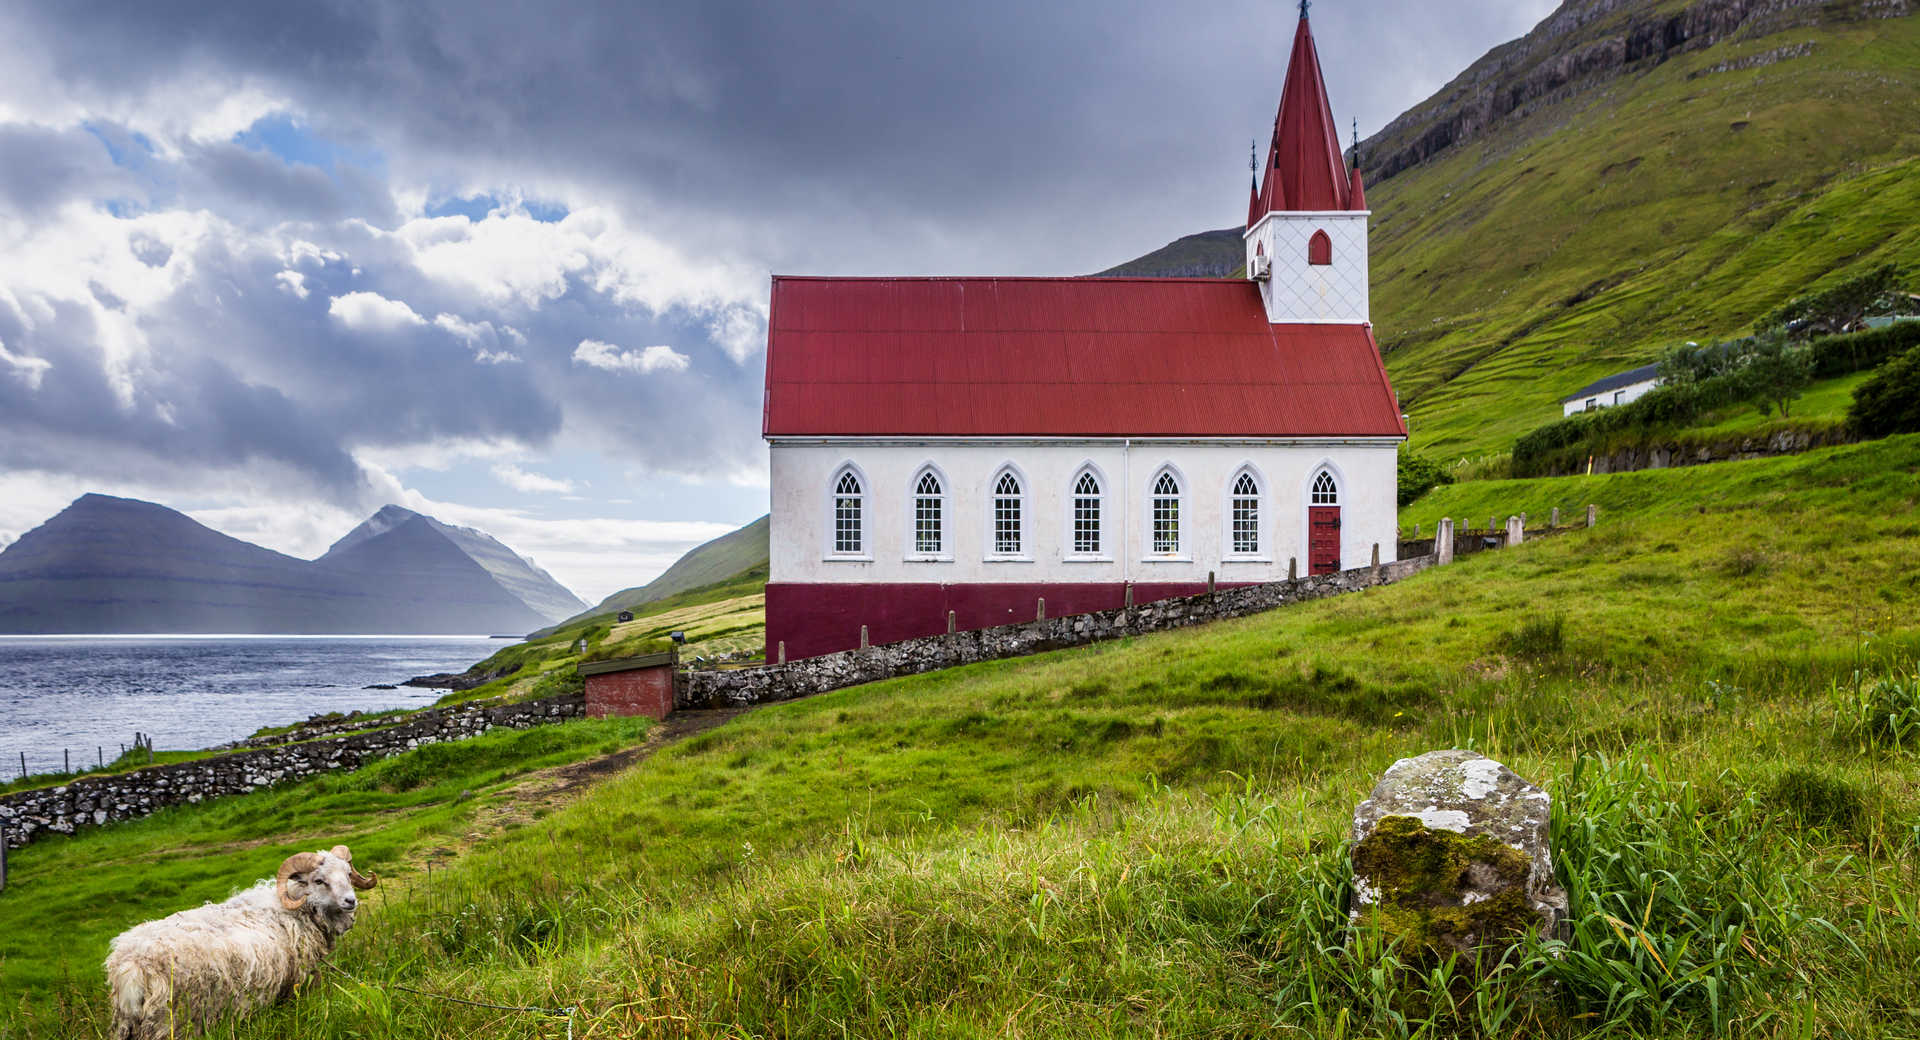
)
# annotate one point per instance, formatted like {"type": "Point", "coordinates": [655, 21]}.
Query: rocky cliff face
{"type": "Point", "coordinates": [1585, 44]}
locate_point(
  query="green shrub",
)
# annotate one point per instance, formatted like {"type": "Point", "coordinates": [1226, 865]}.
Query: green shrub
{"type": "Point", "coordinates": [1836, 307]}
{"type": "Point", "coordinates": [1419, 476]}
{"type": "Point", "coordinates": [1889, 401]}
{"type": "Point", "coordinates": [1537, 639]}
{"type": "Point", "coordinates": [1843, 355]}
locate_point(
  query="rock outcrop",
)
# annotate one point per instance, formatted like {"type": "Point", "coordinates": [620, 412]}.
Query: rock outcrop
{"type": "Point", "coordinates": [1582, 45]}
{"type": "Point", "coordinates": [1452, 855]}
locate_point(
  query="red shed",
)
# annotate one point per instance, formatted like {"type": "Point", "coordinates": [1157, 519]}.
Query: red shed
{"type": "Point", "coordinates": [631, 686]}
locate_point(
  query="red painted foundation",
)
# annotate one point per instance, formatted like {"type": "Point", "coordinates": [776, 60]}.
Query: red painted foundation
{"type": "Point", "coordinates": [824, 619]}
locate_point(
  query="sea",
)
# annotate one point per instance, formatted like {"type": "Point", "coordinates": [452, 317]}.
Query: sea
{"type": "Point", "coordinates": [88, 695]}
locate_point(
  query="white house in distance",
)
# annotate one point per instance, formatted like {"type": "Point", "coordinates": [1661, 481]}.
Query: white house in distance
{"type": "Point", "coordinates": [1618, 388]}
{"type": "Point", "coordinates": [977, 445]}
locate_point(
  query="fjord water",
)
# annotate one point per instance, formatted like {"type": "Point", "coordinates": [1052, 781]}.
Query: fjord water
{"type": "Point", "coordinates": [85, 692]}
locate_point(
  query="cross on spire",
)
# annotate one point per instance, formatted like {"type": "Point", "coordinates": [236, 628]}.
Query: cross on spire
{"type": "Point", "coordinates": [1304, 4]}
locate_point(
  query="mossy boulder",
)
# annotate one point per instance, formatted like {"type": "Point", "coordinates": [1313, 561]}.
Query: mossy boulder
{"type": "Point", "coordinates": [1451, 855]}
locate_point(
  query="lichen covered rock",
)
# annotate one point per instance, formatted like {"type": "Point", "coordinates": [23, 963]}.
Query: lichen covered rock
{"type": "Point", "coordinates": [1451, 855]}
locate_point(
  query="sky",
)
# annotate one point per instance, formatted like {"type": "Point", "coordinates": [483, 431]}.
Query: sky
{"type": "Point", "coordinates": [507, 263]}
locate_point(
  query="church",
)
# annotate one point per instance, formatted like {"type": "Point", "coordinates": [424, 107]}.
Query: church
{"type": "Point", "coordinates": [974, 450]}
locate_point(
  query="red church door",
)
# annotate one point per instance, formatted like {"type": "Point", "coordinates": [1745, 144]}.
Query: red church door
{"type": "Point", "coordinates": [1323, 539]}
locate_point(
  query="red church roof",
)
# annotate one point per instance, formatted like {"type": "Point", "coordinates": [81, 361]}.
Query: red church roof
{"type": "Point", "coordinates": [1062, 357]}
{"type": "Point", "coordinates": [1305, 170]}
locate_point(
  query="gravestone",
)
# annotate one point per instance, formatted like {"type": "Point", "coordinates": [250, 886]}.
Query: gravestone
{"type": "Point", "coordinates": [1451, 855]}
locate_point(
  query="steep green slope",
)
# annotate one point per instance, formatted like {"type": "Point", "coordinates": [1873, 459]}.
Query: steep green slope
{"type": "Point", "coordinates": [1679, 200]}
{"type": "Point", "coordinates": [1145, 837]}
{"type": "Point", "coordinates": [1209, 254]}
{"type": "Point", "coordinates": [728, 560]}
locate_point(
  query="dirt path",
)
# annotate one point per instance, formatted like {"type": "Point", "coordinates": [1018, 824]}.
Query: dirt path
{"type": "Point", "coordinates": [543, 791]}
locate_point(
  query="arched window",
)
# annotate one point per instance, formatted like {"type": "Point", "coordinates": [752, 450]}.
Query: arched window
{"type": "Point", "coordinates": [1320, 249]}
{"type": "Point", "coordinates": [1086, 514]}
{"type": "Point", "coordinates": [1325, 492]}
{"type": "Point", "coordinates": [1166, 514]}
{"type": "Point", "coordinates": [929, 515]}
{"type": "Point", "coordinates": [1246, 515]}
{"type": "Point", "coordinates": [1007, 502]}
{"type": "Point", "coordinates": [849, 513]}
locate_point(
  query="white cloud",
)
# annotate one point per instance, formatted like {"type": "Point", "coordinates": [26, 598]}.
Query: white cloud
{"type": "Point", "coordinates": [740, 331]}
{"type": "Point", "coordinates": [292, 282]}
{"type": "Point", "coordinates": [29, 370]}
{"type": "Point", "coordinates": [482, 337]}
{"type": "Point", "coordinates": [606, 356]}
{"type": "Point", "coordinates": [530, 483]}
{"type": "Point", "coordinates": [363, 311]}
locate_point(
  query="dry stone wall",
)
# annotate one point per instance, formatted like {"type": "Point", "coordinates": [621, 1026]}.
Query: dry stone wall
{"type": "Point", "coordinates": [854, 667]}
{"type": "Point", "coordinates": [93, 801]}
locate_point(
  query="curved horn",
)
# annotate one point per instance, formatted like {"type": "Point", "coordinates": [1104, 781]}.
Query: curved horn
{"type": "Point", "coordinates": [298, 863]}
{"type": "Point", "coordinates": [359, 880]}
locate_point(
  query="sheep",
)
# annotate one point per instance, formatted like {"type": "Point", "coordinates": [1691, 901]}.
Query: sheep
{"type": "Point", "coordinates": [195, 966]}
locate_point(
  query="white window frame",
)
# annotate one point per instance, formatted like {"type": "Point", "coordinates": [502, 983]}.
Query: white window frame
{"type": "Point", "coordinates": [834, 553]}
{"type": "Point", "coordinates": [1262, 551]}
{"type": "Point", "coordinates": [1183, 517]}
{"type": "Point", "coordinates": [1103, 553]}
{"type": "Point", "coordinates": [944, 554]}
{"type": "Point", "coordinates": [1025, 499]}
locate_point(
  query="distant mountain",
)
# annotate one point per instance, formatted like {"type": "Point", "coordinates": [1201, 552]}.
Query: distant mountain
{"type": "Point", "coordinates": [515, 574]}
{"type": "Point", "coordinates": [1209, 254]}
{"type": "Point", "coordinates": [108, 564]}
{"type": "Point", "coordinates": [728, 556]}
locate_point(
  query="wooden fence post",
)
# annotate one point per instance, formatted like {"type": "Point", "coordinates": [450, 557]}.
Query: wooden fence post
{"type": "Point", "coordinates": [1210, 583]}
{"type": "Point", "coordinates": [783, 651]}
{"type": "Point", "coordinates": [1040, 612]}
{"type": "Point", "coordinates": [1293, 568]}
{"type": "Point", "coordinates": [863, 637]}
{"type": "Point", "coordinates": [1593, 513]}
{"type": "Point", "coordinates": [1554, 521]}
{"type": "Point", "coordinates": [953, 621]}
{"type": "Point", "coordinates": [1129, 595]}
{"type": "Point", "coordinates": [3, 855]}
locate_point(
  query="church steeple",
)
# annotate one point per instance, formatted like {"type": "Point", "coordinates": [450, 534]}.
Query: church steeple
{"type": "Point", "coordinates": [1305, 170]}
{"type": "Point", "coordinates": [1306, 238]}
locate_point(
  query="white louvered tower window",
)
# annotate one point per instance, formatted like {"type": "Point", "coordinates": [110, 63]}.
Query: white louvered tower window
{"type": "Point", "coordinates": [1007, 502]}
{"type": "Point", "coordinates": [1324, 491]}
{"type": "Point", "coordinates": [1166, 514]}
{"type": "Point", "coordinates": [929, 516]}
{"type": "Point", "coordinates": [1086, 515]}
{"type": "Point", "coordinates": [849, 501]}
{"type": "Point", "coordinates": [1246, 515]}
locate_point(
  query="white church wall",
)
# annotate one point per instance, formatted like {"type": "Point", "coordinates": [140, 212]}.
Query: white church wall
{"type": "Point", "coordinates": [1299, 291]}
{"type": "Point", "coordinates": [803, 476]}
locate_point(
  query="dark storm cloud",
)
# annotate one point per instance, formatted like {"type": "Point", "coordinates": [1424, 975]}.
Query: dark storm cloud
{"type": "Point", "coordinates": [1051, 137]}
{"type": "Point", "coordinates": [1000, 136]}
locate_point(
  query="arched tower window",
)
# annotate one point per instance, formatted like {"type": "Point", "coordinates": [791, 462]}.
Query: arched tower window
{"type": "Point", "coordinates": [1245, 512]}
{"type": "Point", "coordinates": [1325, 492]}
{"type": "Point", "coordinates": [1166, 513]}
{"type": "Point", "coordinates": [1086, 514]}
{"type": "Point", "coordinates": [849, 513]}
{"type": "Point", "coordinates": [1320, 249]}
{"type": "Point", "coordinates": [1008, 511]}
{"type": "Point", "coordinates": [929, 514]}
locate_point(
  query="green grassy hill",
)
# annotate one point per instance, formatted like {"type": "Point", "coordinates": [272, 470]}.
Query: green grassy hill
{"type": "Point", "coordinates": [1675, 202]}
{"type": "Point", "coordinates": [1146, 837]}
{"type": "Point", "coordinates": [730, 559]}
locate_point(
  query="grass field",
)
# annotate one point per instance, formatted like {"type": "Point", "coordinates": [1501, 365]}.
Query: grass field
{"type": "Point", "coordinates": [1146, 837]}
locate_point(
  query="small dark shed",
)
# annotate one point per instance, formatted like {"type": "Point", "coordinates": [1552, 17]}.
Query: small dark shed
{"type": "Point", "coordinates": [631, 686]}
{"type": "Point", "coordinates": [626, 615]}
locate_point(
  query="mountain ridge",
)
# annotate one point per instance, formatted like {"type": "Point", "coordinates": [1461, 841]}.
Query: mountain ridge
{"type": "Point", "coordinates": [108, 565]}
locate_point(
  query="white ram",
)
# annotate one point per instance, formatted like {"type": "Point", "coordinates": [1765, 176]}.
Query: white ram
{"type": "Point", "coordinates": [188, 969]}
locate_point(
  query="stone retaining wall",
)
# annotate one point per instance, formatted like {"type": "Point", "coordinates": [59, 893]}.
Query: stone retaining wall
{"type": "Point", "coordinates": [96, 800]}
{"type": "Point", "coordinates": [914, 656]}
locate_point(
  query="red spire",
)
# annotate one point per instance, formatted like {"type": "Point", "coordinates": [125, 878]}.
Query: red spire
{"type": "Point", "coordinates": [1254, 210]}
{"type": "Point", "coordinates": [1305, 168]}
{"type": "Point", "coordinates": [1357, 192]}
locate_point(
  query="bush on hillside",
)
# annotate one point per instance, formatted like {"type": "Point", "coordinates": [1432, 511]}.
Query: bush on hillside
{"type": "Point", "coordinates": [1836, 309]}
{"type": "Point", "coordinates": [1888, 403]}
{"type": "Point", "coordinates": [1419, 476]}
{"type": "Point", "coordinates": [1842, 355]}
